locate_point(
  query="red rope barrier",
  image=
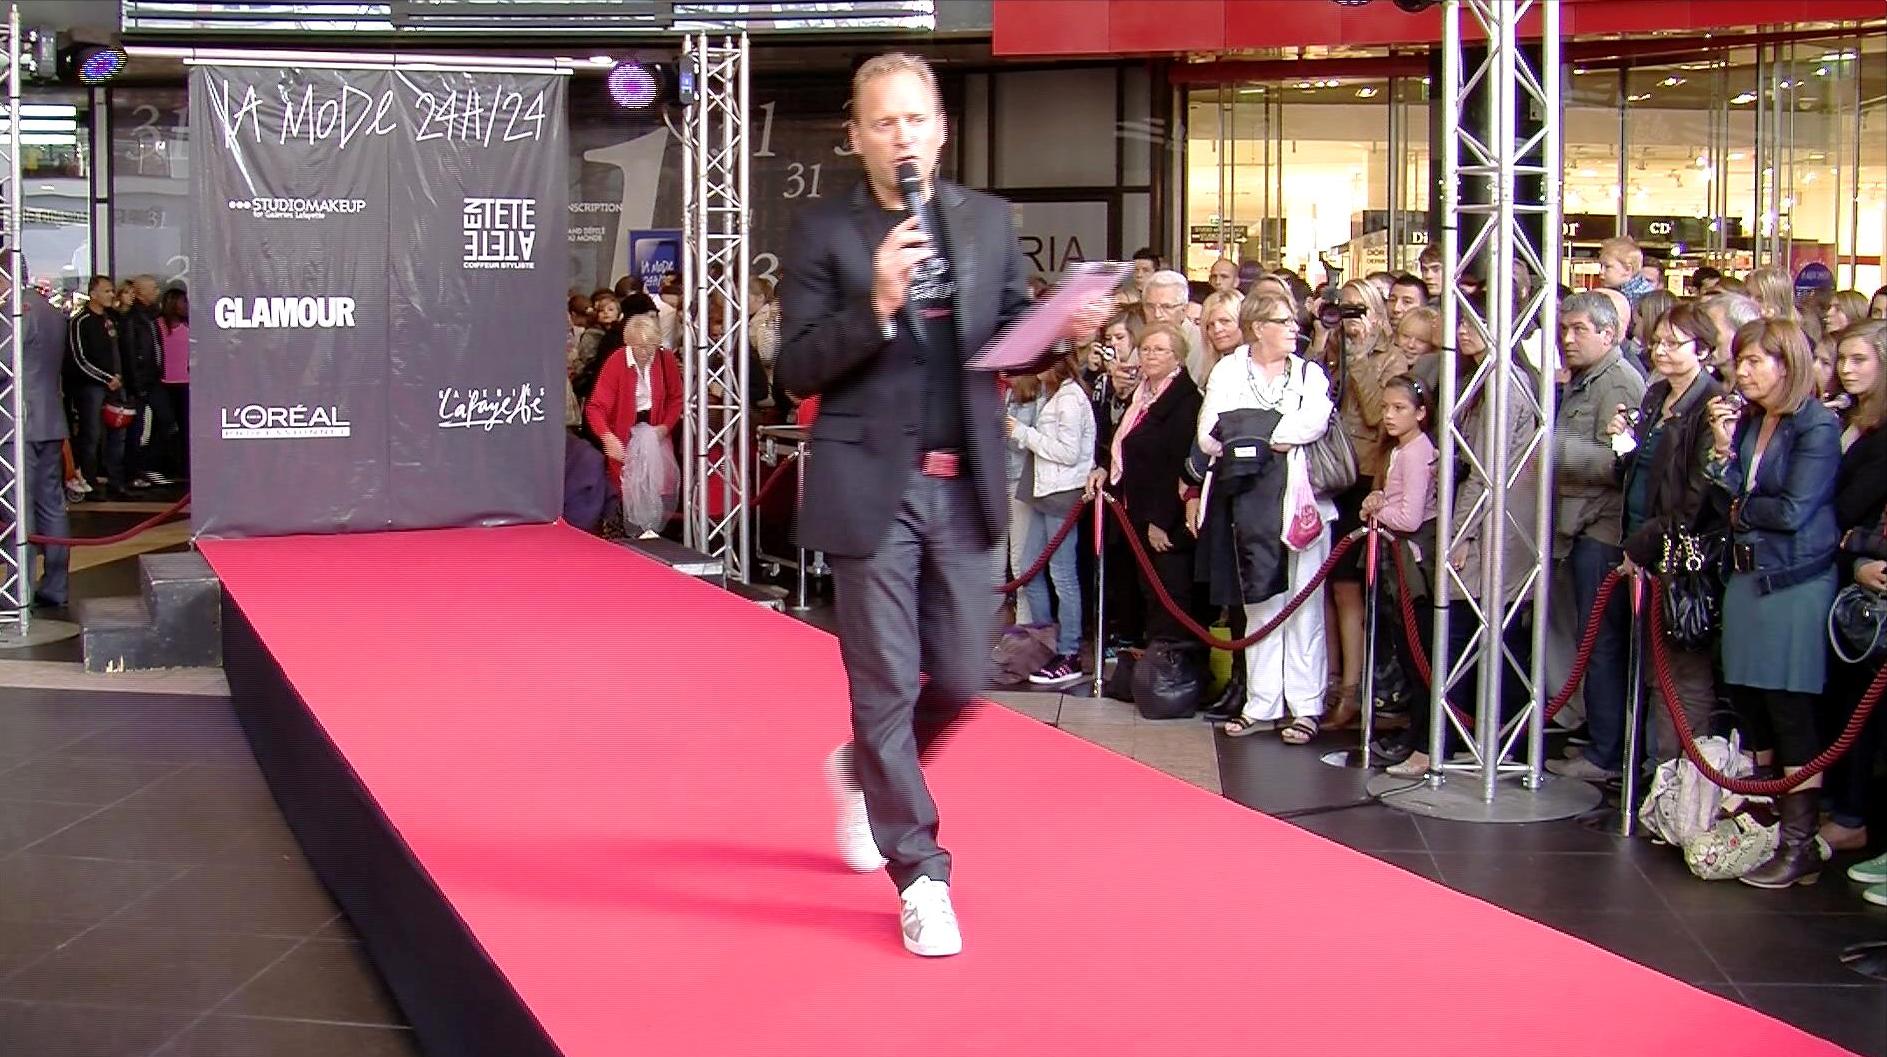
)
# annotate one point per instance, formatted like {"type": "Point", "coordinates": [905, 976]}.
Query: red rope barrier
{"type": "Point", "coordinates": [1581, 661]}
{"type": "Point", "coordinates": [101, 541]}
{"type": "Point", "coordinates": [773, 478]}
{"type": "Point", "coordinates": [1166, 601]}
{"type": "Point", "coordinates": [1048, 551]}
{"type": "Point", "coordinates": [1661, 663]}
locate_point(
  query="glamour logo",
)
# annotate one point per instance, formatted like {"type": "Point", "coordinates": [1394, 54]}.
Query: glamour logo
{"type": "Point", "coordinates": [298, 208]}
{"type": "Point", "coordinates": [500, 232]}
{"type": "Point", "coordinates": [256, 421]}
{"type": "Point", "coordinates": [487, 409]}
{"type": "Point", "coordinates": [284, 313]}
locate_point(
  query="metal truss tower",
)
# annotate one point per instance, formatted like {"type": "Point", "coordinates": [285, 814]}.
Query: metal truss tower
{"type": "Point", "coordinates": [16, 581]}
{"type": "Point", "coordinates": [717, 462]}
{"type": "Point", "coordinates": [1496, 419]}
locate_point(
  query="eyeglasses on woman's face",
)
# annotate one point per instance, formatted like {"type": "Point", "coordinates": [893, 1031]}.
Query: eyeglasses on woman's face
{"type": "Point", "coordinates": [1671, 344]}
{"type": "Point", "coordinates": [1282, 321]}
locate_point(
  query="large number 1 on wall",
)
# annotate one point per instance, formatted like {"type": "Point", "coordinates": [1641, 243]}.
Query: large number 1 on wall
{"type": "Point", "coordinates": [640, 162]}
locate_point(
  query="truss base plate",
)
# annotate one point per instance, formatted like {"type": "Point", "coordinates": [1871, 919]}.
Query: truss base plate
{"type": "Point", "coordinates": [1459, 798]}
{"type": "Point", "coordinates": [38, 633]}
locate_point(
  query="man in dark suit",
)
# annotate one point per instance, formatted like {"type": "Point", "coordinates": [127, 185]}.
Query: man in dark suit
{"type": "Point", "coordinates": [904, 488]}
{"type": "Point", "coordinates": [43, 345]}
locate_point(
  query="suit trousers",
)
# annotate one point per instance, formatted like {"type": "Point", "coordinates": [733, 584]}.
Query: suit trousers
{"type": "Point", "coordinates": [46, 491]}
{"type": "Point", "coordinates": [922, 603]}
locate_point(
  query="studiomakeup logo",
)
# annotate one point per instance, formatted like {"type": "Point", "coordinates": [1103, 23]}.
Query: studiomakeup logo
{"type": "Point", "coordinates": [284, 313]}
{"type": "Point", "coordinates": [297, 208]}
{"type": "Point", "coordinates": [488, 409]}
{"type": "Point", "coordinates": [500, 233]}
{"type": "Point", "coordinates": [259, 421]}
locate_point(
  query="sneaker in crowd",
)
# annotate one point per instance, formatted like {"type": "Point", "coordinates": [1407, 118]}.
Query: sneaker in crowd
{"type": "Point", "coordinates": [1871, 872]}
{"type": "Point", "coordinates": [1875, 894]}
{"type": "Point", "coordinates": [1582, 768]}
{"type": "Point", "coordinates": [1059, 671]}
{"type": "Point", "coordinates": [856, 845]}
{"type": "Point", "coordinates": [158, 478]}
{"type": "Point", "coordinates": [928, 920]}
{"type": "Point", "coordinates": [77, 484]}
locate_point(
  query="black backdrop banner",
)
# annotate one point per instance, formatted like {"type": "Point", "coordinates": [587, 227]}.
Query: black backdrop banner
{"type": "Point", "coordinates": [375, 346]}
{"type": "Point", "coordinates": [475, 404]}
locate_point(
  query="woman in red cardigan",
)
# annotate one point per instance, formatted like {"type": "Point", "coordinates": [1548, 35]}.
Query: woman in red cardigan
{"type": "Point", "coordinates": [640, 382]}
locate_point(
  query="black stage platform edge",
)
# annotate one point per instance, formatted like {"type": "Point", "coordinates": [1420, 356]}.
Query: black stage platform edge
{"type": "Point", "coordinates": [459, 1003]}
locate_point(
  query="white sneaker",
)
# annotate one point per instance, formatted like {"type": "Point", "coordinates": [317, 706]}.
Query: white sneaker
{"type": "Point", "coordinates": [856, 845]}
{"type": "Point", "coordinates": [929, 921]}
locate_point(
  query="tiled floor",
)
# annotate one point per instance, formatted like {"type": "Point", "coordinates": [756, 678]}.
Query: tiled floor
{"type": "Point", "coordinates": [1775, 951]}
{"type": "Point", "coordinates": [152, 901]}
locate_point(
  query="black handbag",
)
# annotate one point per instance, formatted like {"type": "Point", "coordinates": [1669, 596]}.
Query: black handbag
{"type": "Point", "coordinates": [1857, 625]}
{"type": "Point", "coordinates": [1691, 574]}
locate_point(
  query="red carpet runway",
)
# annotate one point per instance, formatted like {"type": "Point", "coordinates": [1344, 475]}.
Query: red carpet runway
{"type": "Point", "coordinates": [610, 774]}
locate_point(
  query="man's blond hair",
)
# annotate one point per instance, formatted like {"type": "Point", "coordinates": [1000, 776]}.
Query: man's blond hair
{"type": "Point", "coordinates": [894, 62]}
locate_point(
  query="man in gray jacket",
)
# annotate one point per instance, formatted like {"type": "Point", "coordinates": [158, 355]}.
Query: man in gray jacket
{"type": "Point", "coordinates": [44, 342]}
{"type": "Point", "coordinates": [1589, 519]}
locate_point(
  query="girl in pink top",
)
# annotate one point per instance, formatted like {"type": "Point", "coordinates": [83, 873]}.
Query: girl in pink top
{"type": "Point", "coordinates": [1405, 501]}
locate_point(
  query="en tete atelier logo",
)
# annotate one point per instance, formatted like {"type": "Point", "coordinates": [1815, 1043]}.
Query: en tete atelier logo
{"type": "Point", "coordinates": [487, 409]}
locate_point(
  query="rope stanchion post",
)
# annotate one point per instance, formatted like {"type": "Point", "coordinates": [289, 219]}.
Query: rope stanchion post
{"type": "Point", "coordinates": [1371, 589]}
{"type": "Point", "coordinates": [1099, 503]}
{"type": "Point", "coordinates": [1634, 712]}
{"type": "Point", "coordinates": [800, 605]}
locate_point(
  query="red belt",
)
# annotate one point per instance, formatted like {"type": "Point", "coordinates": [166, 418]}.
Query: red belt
{"type": "Point", "coordinates": [940, 464]}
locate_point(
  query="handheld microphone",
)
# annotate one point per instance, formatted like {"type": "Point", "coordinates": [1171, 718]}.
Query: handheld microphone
{"type": "Point", "coordinates": [911, 189]}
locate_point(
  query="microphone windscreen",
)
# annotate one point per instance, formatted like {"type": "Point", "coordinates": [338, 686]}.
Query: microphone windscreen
{"type": "Point", "coordinates": [907, 178]}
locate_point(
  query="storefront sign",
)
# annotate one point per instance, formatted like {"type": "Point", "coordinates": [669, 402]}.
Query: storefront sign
{"type": "Point", "coordinates": [1054, 235]}
{"type": "Point", "coordinates": [385, 329]}
{"type": "Point", "coordinates": [1649, 231]}
{"type": "Point", "coordinates": [1214, 235]}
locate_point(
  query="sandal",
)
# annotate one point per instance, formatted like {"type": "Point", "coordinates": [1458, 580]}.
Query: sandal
{"type": "Point", "coordinates": [1301, 730]}
{"type": "Point", "coordinates": [1346, 711]}
{"type": "Point", "coordinates": [1239, 726]}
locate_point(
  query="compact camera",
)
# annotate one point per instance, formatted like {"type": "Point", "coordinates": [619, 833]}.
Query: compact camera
{"type": "Point", "coordinates": [1333, 313]}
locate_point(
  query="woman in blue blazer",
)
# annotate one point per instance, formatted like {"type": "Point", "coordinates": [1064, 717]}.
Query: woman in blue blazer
{"type": "Point", "coordinates": [1775, 456]}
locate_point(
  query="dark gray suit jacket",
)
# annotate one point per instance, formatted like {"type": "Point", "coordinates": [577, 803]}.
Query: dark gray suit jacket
{"type": "Point", "coordinates": [44, 346]}
{"type": "Point", "coordinates": [865, 440]}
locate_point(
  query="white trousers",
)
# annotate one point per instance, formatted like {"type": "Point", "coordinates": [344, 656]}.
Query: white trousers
{"type": "Point", "coordinates": [1288, 668]}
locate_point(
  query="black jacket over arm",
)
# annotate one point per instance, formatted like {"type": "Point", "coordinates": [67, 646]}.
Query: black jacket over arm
{"type": "Point", "coordinates": [1155, 454]}
{"type": "Point", "coordinates": [865, 440]}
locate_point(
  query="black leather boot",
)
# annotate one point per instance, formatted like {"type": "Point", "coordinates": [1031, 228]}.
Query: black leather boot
{"type": "Point", "coordinates": [1797, 859]}
{"type": "Point", "coordinates": [1230, 703]}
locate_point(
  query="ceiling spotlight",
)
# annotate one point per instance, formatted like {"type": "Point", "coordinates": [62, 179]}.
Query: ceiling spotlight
{"type": "Point", "coordinates": [92, 64]}
{"type": "Point", "coordinates": [641, 85]}
{"type": "Point", "coordinates": [634, 86]}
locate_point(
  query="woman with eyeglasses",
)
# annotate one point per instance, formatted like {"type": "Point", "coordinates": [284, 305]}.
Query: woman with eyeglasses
{"type": "Point", "coordinates": [1667, 490]}
{"type": "Point", "coordinates": [1270, 402]}
{"type": "Point", "coordinates": [1860, 500]}
{"type": "Point", "coordinates": [1143, 462]}
{"type": "Point", "coordinates": [1775, 455]}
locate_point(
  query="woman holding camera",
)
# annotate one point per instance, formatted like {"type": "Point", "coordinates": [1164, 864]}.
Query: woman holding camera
{"type": "Point", "coordinates": [1363, 342]}
{"type": "Point", "coordinates": [1667, 489]}
{"type": "Point", "coordinates": [1775, 453]}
